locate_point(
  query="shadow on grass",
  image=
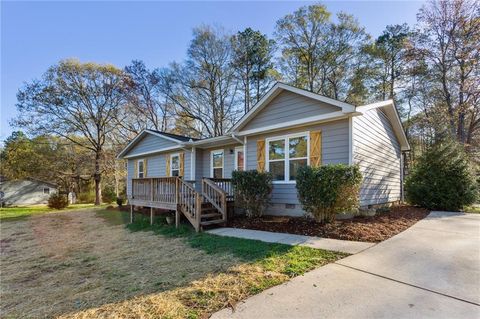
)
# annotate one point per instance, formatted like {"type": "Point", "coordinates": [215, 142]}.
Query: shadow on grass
{"type": "Point", "coordinates": [245, 249]}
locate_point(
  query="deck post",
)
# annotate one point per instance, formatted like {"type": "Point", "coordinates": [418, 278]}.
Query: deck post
{"type": "Point", "coordinates": [177, 218]}
{"type": "Point", "coordinates": [151, 215]}
{"type": "Point", "coordinates": [131, 214]}
{"type": "Point", "coordinates": [198, 211]}
{"type": "Point", "coordinates": [151, 189]}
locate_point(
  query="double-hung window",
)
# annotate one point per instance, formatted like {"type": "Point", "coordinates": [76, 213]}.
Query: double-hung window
{"type": "Point", "coordinates": [239, 159]}
{"type": "Point", "coordinates": [175, 165]}
{"type": "Point", "coordinates": [216, 163]}
{"type": "Point", "coordinates": [141, 168]}
{"type": "Point", "coordinates": [286, 154]}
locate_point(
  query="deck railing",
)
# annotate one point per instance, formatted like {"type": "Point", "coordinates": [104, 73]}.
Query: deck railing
{"type": "Point", "coordinates": [155, 189]}
{"type": "Point", "coordinates": [226, 185]}
{"type": "Point", "coordinates": [176, 193]}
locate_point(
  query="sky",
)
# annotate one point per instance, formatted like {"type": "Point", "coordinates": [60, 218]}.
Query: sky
{"type": "Point", "coordinates": [36, 35]}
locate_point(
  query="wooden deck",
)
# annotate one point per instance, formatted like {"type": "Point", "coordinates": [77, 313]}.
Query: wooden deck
{"type": "Point", "coordinates": [208, 206]}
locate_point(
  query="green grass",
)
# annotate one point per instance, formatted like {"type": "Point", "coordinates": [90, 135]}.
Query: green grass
{"type": "Point", "coordinates": [295, 260]}
{"type": "Point", "coordinates": [25, 211]}
{"type": "Point", "coordinates": [260, 266]}
{"type": "Point", "coordinates": [472, 209]}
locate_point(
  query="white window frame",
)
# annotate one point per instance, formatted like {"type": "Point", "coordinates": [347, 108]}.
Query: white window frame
{"type": "Point", "coordinates": [46, 189]}
{"type": "Point", "coordinates": [287, 154]}
{"type": "Point", "coordinates": [239, 149]}
{"type": "Point", "coordinates": [171, 163]}
{"type": "Point", "coordinates": [138, 168]}
{"type": "Point", "coordinates": [223, 162]}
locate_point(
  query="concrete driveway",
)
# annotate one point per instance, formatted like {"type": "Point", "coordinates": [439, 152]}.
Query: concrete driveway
{"type": "Point", "coordinates": [431, 270]}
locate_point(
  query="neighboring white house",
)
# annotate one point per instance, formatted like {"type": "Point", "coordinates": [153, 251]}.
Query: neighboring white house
{"type": "Point", "coordinates": [26, 192]}
{"type": "Point", "coordinates": [286, 129]}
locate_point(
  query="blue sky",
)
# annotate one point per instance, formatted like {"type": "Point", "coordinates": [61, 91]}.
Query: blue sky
{"type": "Point", "coordinates": [35, 35]}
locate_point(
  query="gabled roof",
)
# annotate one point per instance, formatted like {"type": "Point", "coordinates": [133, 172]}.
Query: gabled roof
{"type": "Point", "coordinates": [180, 140]}
{"type": "Point", "coordinates": [279, 88]}
{"type": "Point", "coordinates": [175, 136]}
{"type": "Point", "coordinates": [390, 110]}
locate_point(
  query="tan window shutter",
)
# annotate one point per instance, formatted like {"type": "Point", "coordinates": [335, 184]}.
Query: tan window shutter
{"type": "Point", "coordinates": [145, 170]}
{"type": "Point", "coordinates": [261, 155]}
{"type": "Point", "coordinates": [315, 148]}
{"type": "Point", "coordinates": [167, 166]}
{"type": "Point", "coordinates": [182, 164]}
{"type": "Point", "coordinates": [135, 169]}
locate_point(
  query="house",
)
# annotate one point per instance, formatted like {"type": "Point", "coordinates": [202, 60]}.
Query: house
{"type": "Point", "coordinates": [25, 192]}
{"type": "Point", "coordinates": [286, 129]}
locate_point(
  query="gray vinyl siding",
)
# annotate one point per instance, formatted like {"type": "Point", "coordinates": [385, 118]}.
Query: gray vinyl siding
{"type": "Point", "coordinates": [335, 150]}
{"type": "Point", "coordinates": [228, 164]}
{"type": "Point", "coordinates": [156, 167]}
{"type": "Point", "coordinates": [377, 152]}
{"type": "Point", "coordinates": [288, 106]}
{"type": "Point", "coordinates": [156, 163]}
{"type": "Point", "coordinates": [150, 143]}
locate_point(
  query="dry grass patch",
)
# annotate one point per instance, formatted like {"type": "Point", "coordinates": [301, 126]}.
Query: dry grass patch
{"type": "Point", "coordinates": [217, 291]}
{"type": "Point", "coordinates": [53, 264]}
{"type": "Point", "coordinates": [79, 265]}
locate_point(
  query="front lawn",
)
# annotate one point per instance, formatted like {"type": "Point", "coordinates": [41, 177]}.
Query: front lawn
{"type": "Point", "coordinates": [23, 211]}
{"type": "Point", "coordinates": [88, 264]}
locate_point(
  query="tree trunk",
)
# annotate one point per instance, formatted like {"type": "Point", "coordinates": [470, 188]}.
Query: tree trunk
{"type": "Point", "coordinates": [98, 179]}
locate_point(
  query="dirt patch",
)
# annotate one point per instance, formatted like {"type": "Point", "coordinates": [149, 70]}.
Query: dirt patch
{"type": "Point", "coordinates": [370, 229]}
{"type": "Point", "coordinates": [61, 263]}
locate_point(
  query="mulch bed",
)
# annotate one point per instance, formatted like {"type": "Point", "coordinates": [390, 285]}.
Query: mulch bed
{"type": "Point", "coordinates": [369, 229]}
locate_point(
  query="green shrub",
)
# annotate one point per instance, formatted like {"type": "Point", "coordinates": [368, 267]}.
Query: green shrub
{"type": "Point", "coordinates": [58, 201]}
{"type": "Point", "coordinates": [108, 194]}
{"type": "Point", "coordinates": [442, 179]}
{"type": "Point", "coordinates": [327, 190]}
{"type": "Point", "coordinates": [252, 191]}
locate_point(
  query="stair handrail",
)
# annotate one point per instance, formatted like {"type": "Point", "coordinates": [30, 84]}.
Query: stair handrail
{"type": "Point", "coordinates": [190, 202]}
{"type": "Point", "coordinates": [216, 196]}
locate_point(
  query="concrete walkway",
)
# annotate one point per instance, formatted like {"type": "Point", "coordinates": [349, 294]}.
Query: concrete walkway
{"type": "Point", "coordinates": [345, 246]}
{"type": "Point", "coordinates": [431, 270]}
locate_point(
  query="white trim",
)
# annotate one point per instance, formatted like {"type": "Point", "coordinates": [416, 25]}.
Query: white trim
{"type": "Point", "coordinates": [223, 161]}
{"type": "Point", "coordinates": [151, 152]}
{"type": "Point", "coordinates": [350, 140]}
{"type": "Point", "coordinates": [211, 139]}
{"type": "Point", "coordinates": [171, 163]}
{"type": "Point", "coordinates": [237, 139]}
{"type": "Point", "coordinates": [139, 136]}
{"type": "Point", "coordinates": [235, 161]}
{"type": "Point", "coordinates": [307, 120]}
{"type": "Point", "coordinates": [193, 163]}
{"type": "Point", "coordinates": [245, 152]}
{"type": "Point", "coordinates": [367, 107]}
{"type": "Point", "coordinates": [280, 87]}
{"type": "Point", "coordinates": [286, 160]}
{"type": "Point", "coordinates": [138, 168]}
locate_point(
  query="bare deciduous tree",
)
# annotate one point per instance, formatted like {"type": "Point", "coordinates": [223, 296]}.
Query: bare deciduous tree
{"type": "Point", "coordinates": [77, 101]}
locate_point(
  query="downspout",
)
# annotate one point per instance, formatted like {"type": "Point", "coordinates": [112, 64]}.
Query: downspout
{"type": "Point", "coordinates": [237, 139]}
{"type": "Point", "coordinates": [193, 161]}
{"type": "Point", "coordinates": [402, 172]}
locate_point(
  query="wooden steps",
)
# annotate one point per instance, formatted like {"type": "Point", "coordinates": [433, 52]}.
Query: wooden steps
{"type": "Point", "coordinates": [211, 222]}
{"type": "Point", "coordinates": [210, 215]}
